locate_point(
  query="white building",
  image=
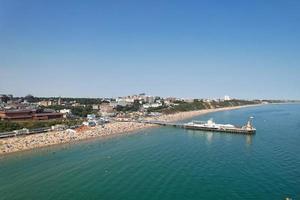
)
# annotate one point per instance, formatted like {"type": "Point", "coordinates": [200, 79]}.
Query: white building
{"type": "Point", "coordinates": [149, 99]}
{"type": "Point", "coordinates": [207, 100]}
{"type": "Point", "coordinates": [122, 102]}
{"type": "Point", "coordinates": [152, 105]}
{"type": "Point", "coordinates": [188, 100]}
{"type": "Point", "coordinates": [65, 111]}
{"type": "Point", "coordinates": [96, 106]}
{"type": "Point", "coordinates": [91, 116]}
{"type": "Point", "coordinates": [227, 98]}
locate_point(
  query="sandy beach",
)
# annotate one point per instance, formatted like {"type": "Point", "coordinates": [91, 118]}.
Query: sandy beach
{"type": "Point", "coordinates": [22, 143]}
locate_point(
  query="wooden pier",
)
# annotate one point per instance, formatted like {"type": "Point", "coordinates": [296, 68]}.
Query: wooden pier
{"type": "Point", "coordinates": [237, 130]}
{"type": "Point", "coordinates": [162, 123]}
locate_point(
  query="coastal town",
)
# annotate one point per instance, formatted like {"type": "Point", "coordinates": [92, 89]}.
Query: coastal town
{"type": "Point", "coordinates": [29, 122]}
{"type": "Point", "coordinates": [16, 110]}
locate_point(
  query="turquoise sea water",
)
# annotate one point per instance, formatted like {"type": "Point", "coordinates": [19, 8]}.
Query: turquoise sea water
{"type": "Point", "coordinates": [168, 163]}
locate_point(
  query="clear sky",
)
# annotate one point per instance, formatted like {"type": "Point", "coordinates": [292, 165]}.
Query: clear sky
{"type": "Point", "coordinates": [245, 49]}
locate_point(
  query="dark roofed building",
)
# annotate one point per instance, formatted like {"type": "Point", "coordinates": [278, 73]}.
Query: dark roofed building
{"type": "Point", "coordinates": [27, 114]}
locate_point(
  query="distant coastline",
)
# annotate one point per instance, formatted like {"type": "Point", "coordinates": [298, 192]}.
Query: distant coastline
{"type": "Point", "coordinates": [22, 143]}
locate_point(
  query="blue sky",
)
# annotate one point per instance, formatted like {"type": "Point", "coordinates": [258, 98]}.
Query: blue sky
{"type": "Point", "coordinates": [245, 49]}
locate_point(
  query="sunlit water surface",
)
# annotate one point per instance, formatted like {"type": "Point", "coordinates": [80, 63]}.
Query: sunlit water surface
{"type": "Point", "coordinates": [168, 163]}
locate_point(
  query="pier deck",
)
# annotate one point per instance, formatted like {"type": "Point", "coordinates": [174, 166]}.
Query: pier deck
{"type": "Point", "coordinates": [236, 130]}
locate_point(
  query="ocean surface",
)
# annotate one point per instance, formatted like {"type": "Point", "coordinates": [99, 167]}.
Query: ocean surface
{"type": "Point", "coordinates": [168, 163]}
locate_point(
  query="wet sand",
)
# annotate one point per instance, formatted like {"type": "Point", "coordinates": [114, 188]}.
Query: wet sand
{"type": "Point", "coordinates": [21, 143]}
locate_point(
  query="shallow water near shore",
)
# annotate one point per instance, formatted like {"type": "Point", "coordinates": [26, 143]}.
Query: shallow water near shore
{"type": "Point", "coordinates": [168, 163]}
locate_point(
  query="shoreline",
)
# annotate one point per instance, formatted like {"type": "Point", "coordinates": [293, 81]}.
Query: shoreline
{"type": "Point", "coordinates": [28, 142]}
